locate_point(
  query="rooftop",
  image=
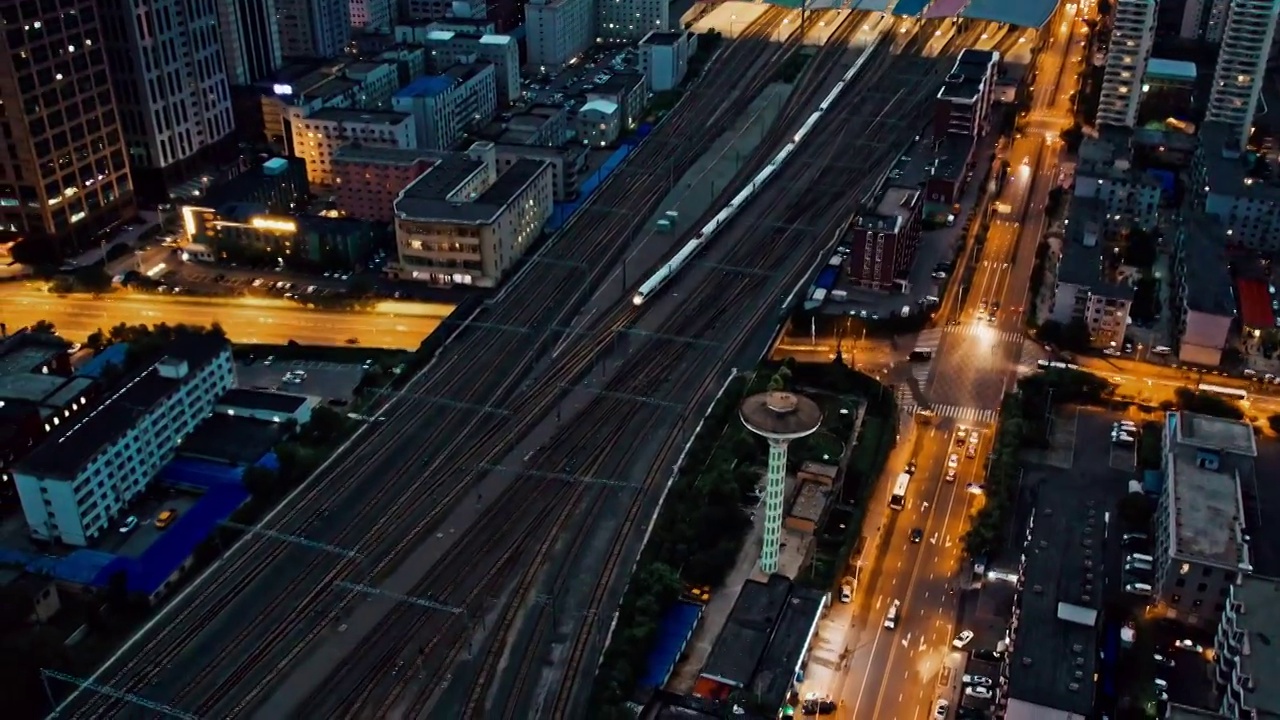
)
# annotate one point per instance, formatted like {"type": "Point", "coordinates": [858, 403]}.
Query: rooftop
{"type": "Point", "coordinates": [662, 38]}
{"type": "Point", "coordinates": [421, 201]}
{"type": "Point", "coordinates": [1163, 69]}
{"type": "Point", "coordinates": [1081, 262]}
{"type": "Point", "coordinates": [1186, 712]}
{"type": "Point", "coordinates": [964, 82]}
{"type": "Point", "coordinates": [265, 400]}
{"type": "Point", "coordinates": [1029, 13]}
{"type": "Point", "coordinates": [777, 668]}
{"type": "Point", "coordinates": [809, 501]}
{"type": "Point", "coordinates": [621, 83]}
{"type": "Point", "coordinates": [1213, 433]}
{"type": "Point", "coordinates": [1203, 267]}
{"type": "Point", "coordinates": [780, 414]}
{"type": "Point", "coordinates": [1108, 156]}
{"type": "Point", "coordinates": [72, 445]}
{"type": "Point", "coordinates": [433, 85]}
{"type": "Point", "coordinates": [1208, 461]}
{"type": "Point", "coordinates": [952, 154]}
{"type": "Point", "coordinates": [1261, 625]}
{"type": "Point", "coordinates": [607, 107]}
{"type": "Point", "coordinates": [1227, 170]}
{"type": "Point", "coordinates": [27, 352]}
{"type": "Point", "coordinates": [369, 117]}
{"type": "Point", "coordinates": [741, 644]}
{"type": "Point", "coordinates": [356, 153]}
{"type": "Point", "coordinates": [233, 440]}
{"type": "Point", "coordinates": [1052, 659]}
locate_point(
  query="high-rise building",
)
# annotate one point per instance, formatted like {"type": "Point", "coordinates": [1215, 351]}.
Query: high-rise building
{"type": "Point", "coordinates": [63, 171]}
{"type": "Point", "coordinates": [372, 14]}
{"type": "Point", "coordinates": [1242, 59]}
{"type": "Point", "coordinates": [964, 101]}
{"type": "Point", "coordinates": [556, 31]}
{"type": "Point", "coordinates": [171, 88]}
{"type": "Point", "coordinates": [1132, 32]}
{"type": "Point", "coordinates": [313, 28]}
{"type": "Point", "coordinates": [250, 41]}
{"type": "Point", "coordinates": [631, 19]}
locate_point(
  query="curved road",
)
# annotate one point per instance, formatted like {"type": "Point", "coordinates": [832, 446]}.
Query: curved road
{"type": "Point", "coordinates": [390, 324]}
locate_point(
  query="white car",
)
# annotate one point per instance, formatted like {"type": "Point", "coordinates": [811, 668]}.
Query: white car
{"type": "Point", "coordinates": [1111, 352]}
{"type": "Point", "coordinates": [130, 523]}
{"type": "Point", "coordinates": [977, 691]}
{"type": "Point", "coordinates": [953, 461]}
{"type": "Point", "coordinates": [940, 709]}
{"type": "Point", "coordinates": [973, 489]}
{"type": "Point", "coordinates": [1188, 645]}
{"type": "Point", "coordinates": [964, 638]}
{"type": "Point", "coordinates": [982, 680]}
{"type": "Point", "coordinates": [1138, 589]}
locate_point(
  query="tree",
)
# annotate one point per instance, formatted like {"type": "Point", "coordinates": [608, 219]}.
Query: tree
{"type": "Point", "coordinates": [1274, 423]}
{"type": "Point", "coordinates": [360, 286]}
{"type": "Point", "coordinates": [44, 327]}
{"type": "Point", "coordinates": [325, 426]}
{"type": "Point", "coordinates": [1135, 511]}
{"type": "Point", "coordinates": [261, 481]}
{"type": "Point", "coordinates": [1141, 248]}
{"type": "Point", "coordinates": [97, 340]}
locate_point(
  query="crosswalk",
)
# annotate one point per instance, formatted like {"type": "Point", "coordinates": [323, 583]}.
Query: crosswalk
{"type": "Point", "coordinates": [956, 412]}
{"type": "Point", "coordinates": [985, 331]}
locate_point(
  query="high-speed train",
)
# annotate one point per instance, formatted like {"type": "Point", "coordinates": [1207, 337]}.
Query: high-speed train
{"type": "Point", "coordinates": [722, 218]}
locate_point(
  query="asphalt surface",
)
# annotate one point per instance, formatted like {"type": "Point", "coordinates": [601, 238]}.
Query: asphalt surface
{"type": "Point", "coordinates": [414, 509]}
{"type": "Point", "coordinates": [390, 324]}
{"type": "Point", "coordinates": [899, 673]}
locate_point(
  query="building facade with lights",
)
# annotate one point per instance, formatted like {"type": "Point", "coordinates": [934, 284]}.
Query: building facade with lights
{"type": "Point", "coordinates": [963, 105]}
{"type": "Point", "coordinates": [369, 179]}
{"type": "Point", "coordinates": [1246, 655]}
{"type": "Point", "coordinates": [1229, 186]}
{"type": "Point", "coordinates": [444, 106]}
{"type": "Point", "coordinates": [1242, 63]}
{"type": "Point", "coordinates": [884, 238]}
{"type": "Point", "coordinates": [318, 137]}
{"type": "Point", "coordinates": [85, 474]}
{"type": "Point", "coordinates": [664, 58]}
{"type": "Point", "coordinates": [250, 234]}
{"type": "Point", "coordinates": [631, 19]}
{"type": "Point", "coordinates": [462, 223]}
{"type": "Point", "coordinates": [1132, 34]}
{"type": "Point", "coordinates": [446, 48]}
{"type": "Point", "coordinates": [557, 31]}
{"type": "Point", "coordinates": [64, 175]}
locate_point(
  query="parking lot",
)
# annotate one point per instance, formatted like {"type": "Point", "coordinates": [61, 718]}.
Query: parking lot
{"type": "Point", "coordinates": [146, 507]}
{"type": "Point", "coordinates": [327, 380]}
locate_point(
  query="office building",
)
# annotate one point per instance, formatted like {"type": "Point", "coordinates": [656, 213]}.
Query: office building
{"type": "Point", "coordinates": [884, 238]}
{"type": "Point", "coordinates": [419, 10]}
{"type": "Point", "coordinates": [317, 138]}
{"type": "Point", "coordinates": [542, 125]}
{"type": "Point", "coordinates": [1084, 288]}
{"type": "Point", "coordinates": [87, 471]}
{"type": "Point", "coordinates": [250, 41]}
{"type": "Point", "coordinates": [1201, 540]}
{"type": "Point", "coordinates": [250, 234]}
{"type": "Point", "coordinates": [1242, 59]}
{"type": "Point", "coordinates": [64, 174]}
{"type": "Point", "coordinates": [964, 101]}
{"type": "Point", "coordinates": [446, 48]}
{"type": "Point", "coordinates": [279, 183]}
{"type": "Point", "coordinates": [629, 91]}
{"type": "Point", "coordinates": [664, 58]}
{"type": "Point", "coordinates": [599, 123]}
{"type": "Point", "coordinates": [1132, 34]}
{"type": "Point", "coordinates": [372, 15]}
{"type": "Point", "coordinates": [1130, 197]}
{"type": "Point", "coordinates": [1204, 307]}
{"type": "Point", "coordinates": [631, 19]}
{"type": "Point", "coordinates": [463, 224]}
{"type": "Point", "coordinates": [302, 89]}
{"type": "Point", "coordinates": [1246, 657]}
{"type": "Point", "coordinates": [313, 28]}
{"type": "Point", "coordinates": [567, 164]}
{"type": "Point", "coordinates": [445, 106]}
{"type": "Point", "coordinates": [171, 90]}
{"type": "Point", "coordinates": [1199, 19]}
{"type": "Point", "coordinates": [1230, 185]}
{"type": "Point", "coordinates": [557, 31]}
{"type": "Point", "coordinates": [369, 179]}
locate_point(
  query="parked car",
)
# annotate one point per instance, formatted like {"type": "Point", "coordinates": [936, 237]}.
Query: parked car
{"type": "Point", "coordinates": [993, 656]}
{"type": "Point", "coordinates": [917, 535]}
{"type": "Point", "coordinates": [964, 638]}
{"type": "Point", "coordinates": [129, 524]}
{"type": "Point", "coordinates": [977, 691]}
{"type": "Point", "coordinates": [982, 680]}
{"type": "Point", "coordinates": [166, 518]}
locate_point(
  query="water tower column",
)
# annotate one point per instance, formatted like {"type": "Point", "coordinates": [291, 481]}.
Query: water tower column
{"type": "Point", "coordinates": [775, 488]}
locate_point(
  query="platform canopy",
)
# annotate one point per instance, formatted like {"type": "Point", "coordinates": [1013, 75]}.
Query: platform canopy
{"type": "Point", "coordinates": [1023, 13]}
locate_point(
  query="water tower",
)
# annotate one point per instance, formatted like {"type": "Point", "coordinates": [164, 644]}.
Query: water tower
{"type": "Point", "coordinates": [780, 417]}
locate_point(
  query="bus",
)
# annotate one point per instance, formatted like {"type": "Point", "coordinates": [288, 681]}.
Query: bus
{"type": "Point", "coordinates": [898, 499]}
{"type": "Point", "coordinates": [1233, 393]}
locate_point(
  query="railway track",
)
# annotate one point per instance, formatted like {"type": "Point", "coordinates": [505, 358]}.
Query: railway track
{"type": "Point", "coordinates": [371, 525]}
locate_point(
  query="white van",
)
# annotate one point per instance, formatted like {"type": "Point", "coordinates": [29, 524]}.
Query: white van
{"type": "Point", "coordinates": [1139, 557]}
{"type": "Point", "coordinates": [891, 620]}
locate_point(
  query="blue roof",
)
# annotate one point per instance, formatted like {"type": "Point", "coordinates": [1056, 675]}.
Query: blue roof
{"type": "Point", "coordinates": [674, 631]}
{"type": "Point", "coordinates": [910, 8]}
{"type": "Point", "coordinates": [113, 354]}
{"type": "Point", "coordinates": [1024, 13]}
{"type": "Point", "coordinates": [877, 5]}
{"type": "Point", "coordinates": [426, 86]}
{"type": "Point", "coordinates": [199, 474]}
{"type": "Point", "coordinates": [565, 210]}
{"type": "Point", "coordinates": [147, 572]}
{"type": "Point", "coordinates": [827, 278]}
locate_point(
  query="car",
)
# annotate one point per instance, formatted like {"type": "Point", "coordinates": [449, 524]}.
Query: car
{"type": "Point", "coordinates": [1161, 684]}
{"type": "Point", "coordinates": [1142, 557]}
{"type": "Point", "coordinates": [939, 275]}
{"type": "Point", "coordinates": [961, 436]}
{"type": "Point", "coordinates": [995, 306]}
{"type": "Point", "coordinates": [993, 656]}
{"type": "Point", "coordinates": [911, 468]}
{"type": "Point", "coordinates": [974, 489]}
{"type": "Point", "coordinates": [1127, 537]}
{"type": "Point", "coordinates": [982, 680]}
{"type": "Point", "coordinates": [977, 691]}
{"type": "Point", "coordinates": [953, 461]}
{"type": "Point", "coordinates": [270, 359]}
{"type": "Point", "coordinates": [982, 307]}
{"type": "Point", "coordinates": [1122, 439]}
{"type": "Point", "coordinates": [1126, 425]}
{"type": "Point", "coordinates": [1111, 352]}
{"type": "Point", "coordinates": [1188, 645]}
{"type": "Point", "coordinates": [940, 709]}
{"type": "Point", "coordinates": [1162, 660]}
{"type": "Point", "coordinates": [846, 590]}
{"type": "Point", "coordinates": [1128, 347]}
{"type": "Point", "coordinates": [951, 474]}
{"type": "Point", "coordinates": [917, 535]}
{"type": "Point", "coordinates": [129, 524]}
{"type": "Point", "coordinates": [971, 452]}
{"type": "Point", "coordinates": [166, 518]}
{"type": "Point", "coordinates": [1137, 588]}
{"type": "Point", "coordinates": [964, 638]}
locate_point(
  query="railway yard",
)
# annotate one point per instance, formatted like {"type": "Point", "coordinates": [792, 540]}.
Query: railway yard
{"type": "Point", "coordinates": [467, 554]}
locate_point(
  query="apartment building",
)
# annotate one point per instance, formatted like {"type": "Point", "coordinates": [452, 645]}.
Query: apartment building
{"type": "Point", "coordinates": [290, 96]}
{"type": "Point", "coordinates": [664, 58]}
{"type": "Point", "coordinates": [444, 106]}
{"type": "Point", "coordinates": [319, 137]}
{"type": "Point", "coordinates": [599, 123]}
{"type": "Point", "coordinates": [447, 48]}
{"type": "Point", "coordinates": [1168, 91]}
{"type": "Point", "coordinates": [884, 238]}
{"type": "Point", "coordinates": [313, 28]}
{"type": "Point", "coordinates": [250, 41]}
{"type": "Point", "coordinates": [64, 175]}
{"type": "Point", "coordinates": [1246, 655]}
{"type": "Point", "coordinates": [964, 102]}
{"type": "Point", "coordinates": [372, 15]}
{"type": "Point", "coordinates": [542, 125]}
{"type": "Point", "coordinates": [462, 223]}
{"type": "Point", "coordinates": [1132, 35]}
{"type": "Point", "coordinates": [419, 10]}
{"type": "Point", "coordinates": [629, 91]}
{"type": "Point", "coordinates": [1130, 197]}
{"type": "Point", "coordinates": [1242, 58]}
{"type": "Point", "coordinates": [1230, 187]}
{"type": "Point", "coordinates": [1201, 538]}
{"type": "Point", "coordinates": [1083, 289]}
{"type": "Point", "coordinates": [368, 179]}
{"type": "Point", "coordinates": [557, 31]}
{"type": "Point", "coordinates": [1204, 307]}
{"type": "Point", "coordinates": [631, 19]}
{"type": "Point", "coordinates": [171, 90]}
{"type": "Point", "coordinates": [85, 474]}
{"type": "Point", "coordinates": [567, 164]}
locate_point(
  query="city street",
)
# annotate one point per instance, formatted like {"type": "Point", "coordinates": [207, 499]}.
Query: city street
{"type": "Point", "coordinates": [391, 324]}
